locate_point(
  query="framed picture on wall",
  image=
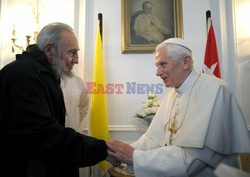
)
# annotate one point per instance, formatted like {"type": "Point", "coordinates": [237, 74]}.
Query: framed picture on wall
{"type": "Point", "coordinates": [145, 24]}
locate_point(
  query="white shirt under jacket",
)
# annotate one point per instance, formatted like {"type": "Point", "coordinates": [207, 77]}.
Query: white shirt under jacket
{"type": "Point", "coordinates": [213, 131]}
{"type": "Point", "coordinates": [76, 102]}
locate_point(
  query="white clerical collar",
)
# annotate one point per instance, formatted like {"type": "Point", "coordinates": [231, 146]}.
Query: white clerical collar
{"type": "Point", "coordinates": [188, 82]}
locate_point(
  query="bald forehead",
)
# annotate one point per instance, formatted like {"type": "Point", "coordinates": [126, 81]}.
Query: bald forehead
{"type": "Point", "coordinates": [69, 40]}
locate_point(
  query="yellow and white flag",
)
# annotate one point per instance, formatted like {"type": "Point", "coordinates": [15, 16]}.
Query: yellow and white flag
{"type": "Point", "coordinates": [99, 116]}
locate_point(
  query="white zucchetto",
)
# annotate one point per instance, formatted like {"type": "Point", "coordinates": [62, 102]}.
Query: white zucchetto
{"type": "Point", "coordinates": [177, 41]}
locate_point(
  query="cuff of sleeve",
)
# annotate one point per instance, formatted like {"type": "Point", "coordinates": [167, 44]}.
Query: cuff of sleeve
{"type": "Point", "coordinates": [159, 161]}
{"type": "Point", "coordinates": [103, 150]}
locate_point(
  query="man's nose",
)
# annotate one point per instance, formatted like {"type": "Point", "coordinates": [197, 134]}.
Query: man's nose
{"type": "Point", "coordinates": [76, 59]}
{"type": "Point", "coordinates": [158, 71]}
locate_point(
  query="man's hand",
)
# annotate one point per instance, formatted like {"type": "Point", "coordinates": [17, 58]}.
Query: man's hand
{"type": "Point", "coordinates": [121, 151]}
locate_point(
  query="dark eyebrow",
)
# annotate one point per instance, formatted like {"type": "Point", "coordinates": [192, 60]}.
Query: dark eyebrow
{"type": "Point", "coordinates": [73, 50]}
{"type": "Point", "coordinates": [163, 62]}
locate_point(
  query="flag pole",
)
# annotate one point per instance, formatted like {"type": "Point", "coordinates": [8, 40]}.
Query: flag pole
{"type": "Point", "coordinates": [208, 18]}
{"type": "Point", "coordinates": [211, 60]}
{"type": "Point", "coordinates": [100, 23]}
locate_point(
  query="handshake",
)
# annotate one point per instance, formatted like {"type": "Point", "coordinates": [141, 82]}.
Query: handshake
{"type": "Point", "coordinates": [119, 152]}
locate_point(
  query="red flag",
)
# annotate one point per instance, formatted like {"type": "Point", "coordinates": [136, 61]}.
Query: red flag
{"type": "Point", "coordinates": [211, 60]}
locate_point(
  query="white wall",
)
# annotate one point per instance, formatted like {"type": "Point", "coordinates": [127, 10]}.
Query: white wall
{"type": "Point", "coordinates": [19, 13]}
{"type": "Point", "coordinates": [242, 8]}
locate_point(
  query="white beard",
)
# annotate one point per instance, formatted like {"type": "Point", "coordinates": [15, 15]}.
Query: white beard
{"type": "Point", "coordinates": [57, 66]}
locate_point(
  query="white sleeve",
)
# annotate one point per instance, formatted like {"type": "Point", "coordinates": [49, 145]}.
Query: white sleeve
{"type": "Point", "coordinates": [145, 143]}
{"type": "Point", "coordinates": [164, 161]}
{"type": "Point", "coordinates": [83, 103]}
{"type": "Point", "coordinates": [174, 161]}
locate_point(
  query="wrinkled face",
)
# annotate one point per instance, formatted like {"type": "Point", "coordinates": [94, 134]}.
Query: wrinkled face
{"type": "Point", "coordinates": [171, 71]}
{"type": "Point", "coordinates": [63, 62]}
{"type": "Point", "coordinates": [147, 8]}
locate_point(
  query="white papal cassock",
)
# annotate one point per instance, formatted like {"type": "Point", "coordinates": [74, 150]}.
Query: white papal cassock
{"type": "Point", "coordinates": [76, 102]}
{"type": "Point", "coordinates": [211, 130]}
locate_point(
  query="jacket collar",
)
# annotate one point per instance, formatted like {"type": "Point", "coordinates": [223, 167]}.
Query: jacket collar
{"type": "Point", "coordinates": [36, 57]}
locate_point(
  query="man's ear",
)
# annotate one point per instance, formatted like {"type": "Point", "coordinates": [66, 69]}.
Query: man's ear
{"type": "Point", "coordinates": [187, 62]}
{"type": "Point", "coordinates": [49, 51]}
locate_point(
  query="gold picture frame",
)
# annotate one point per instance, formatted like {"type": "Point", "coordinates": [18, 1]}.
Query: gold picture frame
{"type": "Point", "coordinates": [167, 10]}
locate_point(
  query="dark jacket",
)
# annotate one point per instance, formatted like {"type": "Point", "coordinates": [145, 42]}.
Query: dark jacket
{"type": "Point", "coordinates": [32, 115]}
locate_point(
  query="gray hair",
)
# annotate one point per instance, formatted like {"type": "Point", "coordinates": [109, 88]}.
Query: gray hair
{"type": "Point", "coordinates": [52, 33]}
{"type": "Point", "coordinates": [175, 51]}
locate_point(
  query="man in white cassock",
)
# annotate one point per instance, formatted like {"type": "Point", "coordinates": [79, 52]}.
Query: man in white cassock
{"type": "Point", "coordinates": [149, 26]}
{"type": "Point", "coordinates": [76, 101]}
{"type": "Point", "coordinates": [198, 125]}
